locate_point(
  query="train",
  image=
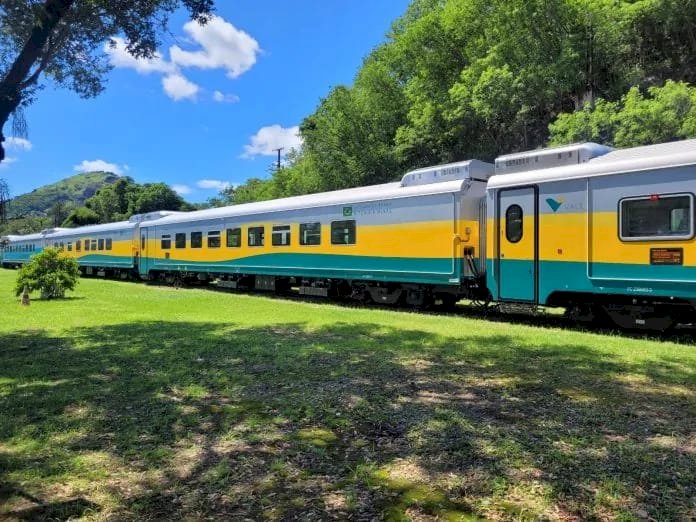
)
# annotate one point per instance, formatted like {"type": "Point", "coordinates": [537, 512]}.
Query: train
{"type": "Point", "coordinates": [606, 234]}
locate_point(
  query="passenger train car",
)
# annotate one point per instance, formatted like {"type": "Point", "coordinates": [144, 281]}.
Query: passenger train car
{"type": "Point", "coordinates": [602, 232]}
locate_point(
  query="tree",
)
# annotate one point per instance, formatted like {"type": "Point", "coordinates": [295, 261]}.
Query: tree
{"type": "Point", "coordinates": [663, 114]}
{"type": "Point", "coordinates": [60, 39]}
{"type": "Point", "coordinates": [114, 201]}
{"type": "Point", "coordinates": [80, 217]}
{"type": "Point", "coordinates": [156, 196]}
{"type": "Point", "coordinates": [59, 211]}
{"type": "Point", "coordinates": [123, 198]}
{"type": "Point", "coordinates": [462, 79]}
{"type": "Point", "coordinates": [4, 201]}
{"type": "Point", "coordinates": [50, 272]}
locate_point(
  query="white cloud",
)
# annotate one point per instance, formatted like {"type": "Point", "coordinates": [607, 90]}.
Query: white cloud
{"type": "Point", "coordinates": [94, 165]}
{"type": "Point", "coordinates": [9, 160]}
{"type": "Point", "coordinates": [120, 57]}
{"type": "Point", "coordinates": [220, 46]}
{"type": "Point", "coordinates": [213, 184]}
{"type": "Point", "coordinates": [223, 46]}
{"type": "Point", "coordinates": [221, 97]}
{"type": "Point", "coordinates": [268, 139]}
{"type": "Point", "coordinates": [12, 142]}
{"type": "Point", "coordinates": [182, 189]}
{"type": "Point", "coordinates": [177, 87]}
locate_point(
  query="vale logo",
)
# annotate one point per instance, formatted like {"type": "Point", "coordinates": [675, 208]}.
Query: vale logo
{"type": "Point", "coordinates": [555, 204]}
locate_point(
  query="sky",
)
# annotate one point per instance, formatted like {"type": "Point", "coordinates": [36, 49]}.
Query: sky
{"type": "Point", "coordinates": [208, 111]}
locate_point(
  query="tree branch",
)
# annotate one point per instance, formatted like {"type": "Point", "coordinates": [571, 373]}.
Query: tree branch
{"type": "Point", "coordinates": [11, 85]}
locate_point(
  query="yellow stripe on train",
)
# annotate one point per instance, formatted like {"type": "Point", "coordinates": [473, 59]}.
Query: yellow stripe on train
{"type": "Point", "coordinates": [566, 237]}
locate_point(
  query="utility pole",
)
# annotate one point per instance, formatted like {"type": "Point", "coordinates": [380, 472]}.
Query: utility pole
{"type": "Point", "coordinates": [279, 151]}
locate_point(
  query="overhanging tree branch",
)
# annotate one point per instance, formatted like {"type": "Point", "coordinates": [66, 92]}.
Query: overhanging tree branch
{"type": "Point", "coordinates": [48, 18]}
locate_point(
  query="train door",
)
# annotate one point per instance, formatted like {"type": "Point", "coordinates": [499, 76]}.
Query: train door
{"type": "Point", "coordinates": [144, 257]}
{"type": "Point", "coordinates": [518, 251]}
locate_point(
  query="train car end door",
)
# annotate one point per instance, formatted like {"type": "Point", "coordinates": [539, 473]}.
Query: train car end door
{"type": "Point", "coordinates": [518, 245]}
{"type": "Point", "coordinates": [144, 257]}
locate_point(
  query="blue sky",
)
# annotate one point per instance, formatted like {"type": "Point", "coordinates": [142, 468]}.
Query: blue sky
{"type": "Point", "coordinates": [209, 110]}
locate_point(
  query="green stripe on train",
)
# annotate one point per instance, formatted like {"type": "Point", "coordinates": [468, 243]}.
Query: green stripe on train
{"type": "Point", "coordinates": [417, 270]}
{"type": "Point", "coordinates": [105, 261]}
{"type": "Point", "coordinates": [605, 278]}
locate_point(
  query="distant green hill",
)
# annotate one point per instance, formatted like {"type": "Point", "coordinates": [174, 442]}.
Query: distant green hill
{"type": "Point", "coordinates": [75, 189]}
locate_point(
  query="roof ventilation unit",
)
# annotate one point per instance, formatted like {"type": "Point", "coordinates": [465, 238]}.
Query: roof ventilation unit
{"type": "Point", "coordinates": [151, 216]}
{"type": "Point", "coordinates": [549, 158]}
{"type": "Point", "coordinates": [47, 231]}
{"type": "Point", "coordinates": [472, 169]}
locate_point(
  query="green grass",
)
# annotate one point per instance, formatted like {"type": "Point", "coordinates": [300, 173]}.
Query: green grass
{"type": "Point", "coordinates": [129, 401]}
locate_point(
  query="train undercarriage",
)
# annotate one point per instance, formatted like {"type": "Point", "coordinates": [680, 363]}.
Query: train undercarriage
{"type": "Point", "coordinates": [593, 310]}
{"type": "Point", "coordinates": [417, 296]}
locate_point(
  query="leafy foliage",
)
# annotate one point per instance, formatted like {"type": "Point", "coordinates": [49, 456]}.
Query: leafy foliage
{"type": "Point", "coordinates": [460, 79]}
{"type": "Point", "coordinates": [75, 189]}
{"type": "Point", "coordinates": [86, 199]}
{"type": "Point", "coordinates": [60, 39]}
{"type": "Point", "coordinates": [665, 114]}
{"type": "Point", "coordinates": [50, 272]}
{"type": "Point", "coordinates": [25, 225]}
{"type": "Point", "coordinates": [80, 217]}
{"type": "Point", "coordinates": [122, 199]}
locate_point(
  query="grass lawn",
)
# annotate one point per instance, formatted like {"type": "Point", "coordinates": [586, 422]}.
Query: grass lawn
{"type": "Point", "coordinates": [129, 401]}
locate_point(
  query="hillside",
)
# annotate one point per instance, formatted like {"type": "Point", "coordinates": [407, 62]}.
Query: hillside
{"type": "Point", "coordinates": [75, 189]}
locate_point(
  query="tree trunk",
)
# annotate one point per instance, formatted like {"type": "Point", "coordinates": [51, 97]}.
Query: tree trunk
{"type": "Point", "coordinates": [11, 85]}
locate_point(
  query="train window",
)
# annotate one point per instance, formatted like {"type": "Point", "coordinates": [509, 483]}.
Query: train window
{"type": "Point", "coordinates": [69, 246]}
{"type": "Point", "coordinates": [166, 242]}
{"type": "Point", "coordinates": [196, 239]}
{"type": "Point", "coordinates": [657, 217]}
{"type": "Point", "coordinates": [180, 240]}
{"type": "Point", "coordinates": [343, 232]}
{"type": "Point", "coordinates": [94, 244]}
{"type": "Point", "coordinates": [101, 244]}
{"type": "Point", "coordinates": [109, 243]}
{"type": "Point", "coordinates": [78, 245]}
{"type": "Point", "coordinates": [214, 239]}
{"type": "Point", "coordinates": [256, 236]}
{"type": "Point", "coordinates": [514, 223]}
{"type": "Point", "coordinates": [281, 235]}
{"type": "Point", "coordinates": [86, 245]}
{"type": "Point", "coordinates": [234, 237]}
{"type": "Point", "coordinates": [310, 233]}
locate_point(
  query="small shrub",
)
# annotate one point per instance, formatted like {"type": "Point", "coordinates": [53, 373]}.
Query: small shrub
{"type": "Point", "coordinates": [49, 272]}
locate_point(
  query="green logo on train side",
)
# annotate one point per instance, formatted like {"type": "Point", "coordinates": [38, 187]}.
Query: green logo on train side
{"type": "Point", "coordinates": [347, 211]}
{"type": "Point", "coordinates": [555, 204]}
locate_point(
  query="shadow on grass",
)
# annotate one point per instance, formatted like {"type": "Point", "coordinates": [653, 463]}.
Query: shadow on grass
{"type": "Point", "coordinates": [173, 419]}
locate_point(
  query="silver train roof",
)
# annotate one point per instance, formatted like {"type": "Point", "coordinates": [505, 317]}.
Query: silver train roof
{"type": "Point", "coordinates": [453, 177]}
{"type": "Point", "coordinates": [636, 159]}
{"type": "Point", "coordinates": [439, 179]}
